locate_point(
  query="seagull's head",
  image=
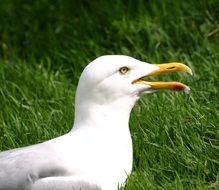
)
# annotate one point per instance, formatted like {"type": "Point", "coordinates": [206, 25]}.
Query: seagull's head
{"type": "Point", "coordinates": [123, 79]}
{"type": "Point", "coordinates": [113, 77]}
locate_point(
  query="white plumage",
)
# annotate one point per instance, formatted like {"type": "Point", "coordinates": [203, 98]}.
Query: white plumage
{"type": "Point", "coordinates": [97, 152]}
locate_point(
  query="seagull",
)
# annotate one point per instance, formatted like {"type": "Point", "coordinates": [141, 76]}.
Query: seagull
{"type": "Point", "coordinates": [97, 153]}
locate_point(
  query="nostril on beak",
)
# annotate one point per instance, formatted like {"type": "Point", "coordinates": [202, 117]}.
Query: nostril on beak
{"type": "Point", "coordinates": [171, 68]}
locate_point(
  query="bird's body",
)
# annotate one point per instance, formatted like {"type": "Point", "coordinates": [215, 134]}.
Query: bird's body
{"type": "Point", "coordinates": [97, 153]}
{"type": "Point", "coordinates": [47, 162]}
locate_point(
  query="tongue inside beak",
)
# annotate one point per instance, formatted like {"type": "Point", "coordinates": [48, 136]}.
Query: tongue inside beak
{"type": "Point", "coordinates": [162, 69]}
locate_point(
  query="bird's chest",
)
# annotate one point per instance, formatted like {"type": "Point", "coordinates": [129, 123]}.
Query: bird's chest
{"type": "Point", "coordinates": [104, 157]}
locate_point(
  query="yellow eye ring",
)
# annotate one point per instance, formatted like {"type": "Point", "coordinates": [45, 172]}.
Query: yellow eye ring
{"type": "Point", "coordinates": [123, 70]}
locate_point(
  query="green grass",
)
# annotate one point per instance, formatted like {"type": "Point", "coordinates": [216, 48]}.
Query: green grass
{"type": "Point", "coordinates": [45, 44]}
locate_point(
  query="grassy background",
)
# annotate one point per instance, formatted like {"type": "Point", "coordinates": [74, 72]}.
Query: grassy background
{"type": "Point", "coordinates": [45, 44]}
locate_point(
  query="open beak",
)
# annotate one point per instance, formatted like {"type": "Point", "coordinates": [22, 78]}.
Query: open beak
{"type": "Point", "coordinates": [162, 69]}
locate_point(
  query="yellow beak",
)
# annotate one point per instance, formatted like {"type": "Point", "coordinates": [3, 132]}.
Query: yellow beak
{"type": "Point", "coordinates": [170, 67]}
{"type": "Point", "coordinates": [162, 69]}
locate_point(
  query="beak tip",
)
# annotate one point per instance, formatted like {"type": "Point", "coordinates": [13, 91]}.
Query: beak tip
{"type": "Point", "coordinates": [187, 90]}
{"type": "Point", "coordinates": [186, 68]}
{"type": "Point", "coordinates": [190, 71]}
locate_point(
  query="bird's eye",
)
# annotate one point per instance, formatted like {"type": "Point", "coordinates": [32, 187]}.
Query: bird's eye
{"type": "Point", "coordinates": [123, 70]}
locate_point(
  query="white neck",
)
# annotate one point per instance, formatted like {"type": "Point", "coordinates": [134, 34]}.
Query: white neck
{"type": "Point", "coordinates": [106, 116]}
